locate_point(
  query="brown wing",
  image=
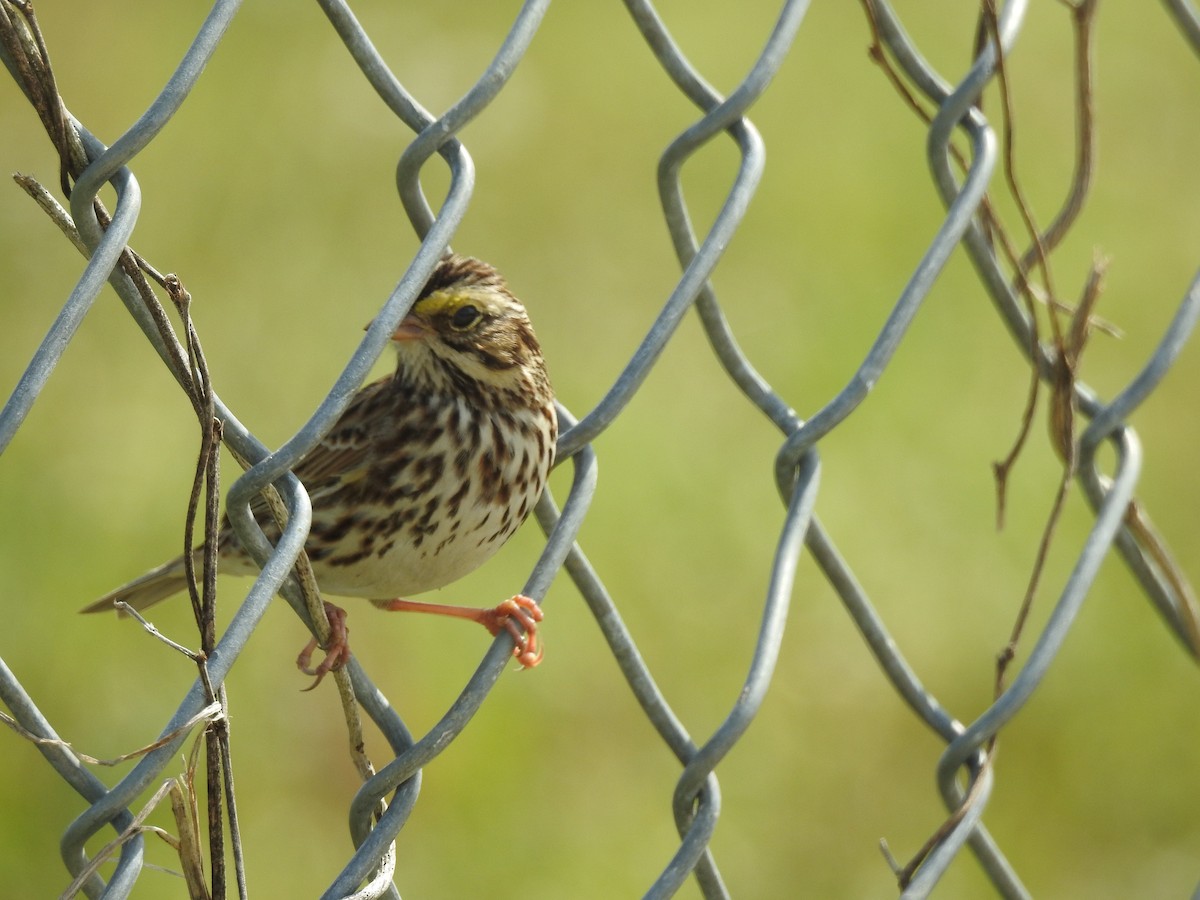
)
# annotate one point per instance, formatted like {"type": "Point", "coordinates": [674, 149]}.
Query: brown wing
{"type": "Point", "coordinates": [341, 456]}
{"type": "Point", "coordinates": [339, 459]}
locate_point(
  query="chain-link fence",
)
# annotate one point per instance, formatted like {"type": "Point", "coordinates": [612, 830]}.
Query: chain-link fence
{"type": "Point", "coordinates": [977, 123]}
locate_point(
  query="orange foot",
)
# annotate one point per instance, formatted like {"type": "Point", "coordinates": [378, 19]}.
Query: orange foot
{"type": "Point", "coordinates": [517, 615]}
{"type": "Point", "coordinates": [337, 654]}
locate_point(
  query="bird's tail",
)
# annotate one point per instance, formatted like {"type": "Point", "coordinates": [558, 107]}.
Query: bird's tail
{"type": "Point", "coordinates": [157, 584]}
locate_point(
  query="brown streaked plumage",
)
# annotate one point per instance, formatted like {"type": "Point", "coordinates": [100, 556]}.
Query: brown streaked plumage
{"type": "Point", "coordinates": [430, 470]}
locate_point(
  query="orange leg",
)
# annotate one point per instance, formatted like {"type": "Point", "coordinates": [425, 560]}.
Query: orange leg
{"type": "Point", "coordinates": [337, 654]}
{"type": "Point", "coordinates": [517, 615]}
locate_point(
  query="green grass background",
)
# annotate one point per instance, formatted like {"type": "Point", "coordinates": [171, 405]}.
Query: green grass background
{"type": "Point", "coordinates": [271, 195]}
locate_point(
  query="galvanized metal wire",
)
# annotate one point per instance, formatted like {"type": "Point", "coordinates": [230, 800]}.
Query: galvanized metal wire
{"type": "Point", "coordinates": [964, 775]}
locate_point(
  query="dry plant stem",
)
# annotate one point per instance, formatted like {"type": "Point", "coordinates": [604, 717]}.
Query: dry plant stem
{"type": "Point", "coordinates": [990, 220]}
{"type": "Point", "coordinates": [190, 857]}
{"type": "Point", "coordinates": [27, 47]}
{"type": "Point", "coordinates": [990, 30]}
{"type": "Point", "coordinates": [1062, 418]}
{"type": "Point", "coordinates": [995, 231]}
{"type": "Point", "coordinates": [316, 609]}
{"type": "Point", "coordinates": [38, 78]}
{"type": "Point", "coordinates": [303, 571]}
{"type": "Point", "coordinates": [1062, 438]}
{"type": "Point", "coordinates": [381, 878]}
{"type": "Point", "coordinates": [905, 875]}
{"type": "Point", "coordinates": [209, 713]}
{"type": "Point", "coordinates": [207, 473]}
{"type": "Point", "coordinates": [1006, 655]}
{"type": "Point", "coordinates": [178, 365]}
{"type": "Point", "coordinates": [1038, 249]}
{"type": "Point", "coordinates": [1082, 19]}
{"type": "Point", "coordinates": [115, 844]}
{"type": "Point", "coordinates": [52, 208]}
{"type": "Point", "coordinates": [880, 58]}
{"type": "Point", "coordinates": [216, 831]}
{"type": "Point", "coordinates": [207, 480]}
{"type": "Point", "coordinates": [1148, 538]}
{"type": "Point", "coordinates": [62, 219]}
{"type": "Point", "coordinates": [126, 610]}
{"type": "Point", "coordinates": [1066, 350]}
{"type": "Point", "coordinates": [184, 807]}
{"type": "Point", "coordinates": [235, 829]}
{"type": "Point", "coordinates": [219, 774]}
{"type": "Point", "coordinates": [186, 810]}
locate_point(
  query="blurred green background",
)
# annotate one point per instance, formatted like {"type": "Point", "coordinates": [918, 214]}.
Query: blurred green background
{"type": "Point", "coordinates": [271, 195]}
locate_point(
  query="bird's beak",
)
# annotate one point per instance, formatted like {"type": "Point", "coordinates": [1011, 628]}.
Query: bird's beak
{"type": "Point", "coordinates": [410, 329]}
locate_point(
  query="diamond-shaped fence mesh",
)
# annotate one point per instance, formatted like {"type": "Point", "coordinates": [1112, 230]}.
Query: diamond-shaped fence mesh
{"type": "Point", "coordinates": [540, 163]}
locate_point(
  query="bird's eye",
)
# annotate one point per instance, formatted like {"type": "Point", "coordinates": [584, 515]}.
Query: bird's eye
{"type": "Point", "coordinates": [464, 317]}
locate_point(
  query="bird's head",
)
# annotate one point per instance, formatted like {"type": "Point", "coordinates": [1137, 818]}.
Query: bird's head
{"type": "Point", "coordinates": [466, 322]}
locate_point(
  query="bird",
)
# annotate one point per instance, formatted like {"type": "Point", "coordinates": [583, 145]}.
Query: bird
{"type": "Point", "coordinates": [426, 474]}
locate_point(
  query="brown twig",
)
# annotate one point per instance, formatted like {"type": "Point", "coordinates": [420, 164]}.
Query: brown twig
{"type": "Point", "coordinates": [1067, 348]}
{"type": "Point", "coordinates": [207, 482]}
{"type": "Point", "coordinates": [1062, 438]}
{"type": "Point", "coordinates": [1082, 19]}
{"type": "Point", "coordinates": [1040, 255]}
{"type": "Point", "coordinates": [28, 46]}
{"type": "Point", "coordinates": [904, 874]}
{"type": "Point", "coordinates": [879, 56]}
{"type": "Point", "coordinates": [186, 810]}
{"type": "Point", "coordinates": [307, 583]}
{"type": "Point", "coordinates": [361, 762]}
{"type": "Point", "coordinates": [116, 843]}
{"type": "Point", "coordinates": [209, 713]}
{"type": "Point", "coordinates": [1043, 242]}
{"type": "Point", "coordinates": [1137, 520]}
{"type": "Point", "coordinates": [182, 792]}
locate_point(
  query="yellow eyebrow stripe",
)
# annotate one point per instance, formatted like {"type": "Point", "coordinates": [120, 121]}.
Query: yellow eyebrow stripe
{"type": "Point", "coordinates": [440, 302]}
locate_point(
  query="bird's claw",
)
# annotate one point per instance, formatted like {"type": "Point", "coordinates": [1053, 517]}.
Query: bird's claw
{"type": "Point", "coordinates": [337, 652]}
{"type": "Point", "coordinates": [518, 616]}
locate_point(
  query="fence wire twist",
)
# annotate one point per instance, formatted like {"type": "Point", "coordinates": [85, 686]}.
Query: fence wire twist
{"type": "Point", "coordinates": [965, 776]}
